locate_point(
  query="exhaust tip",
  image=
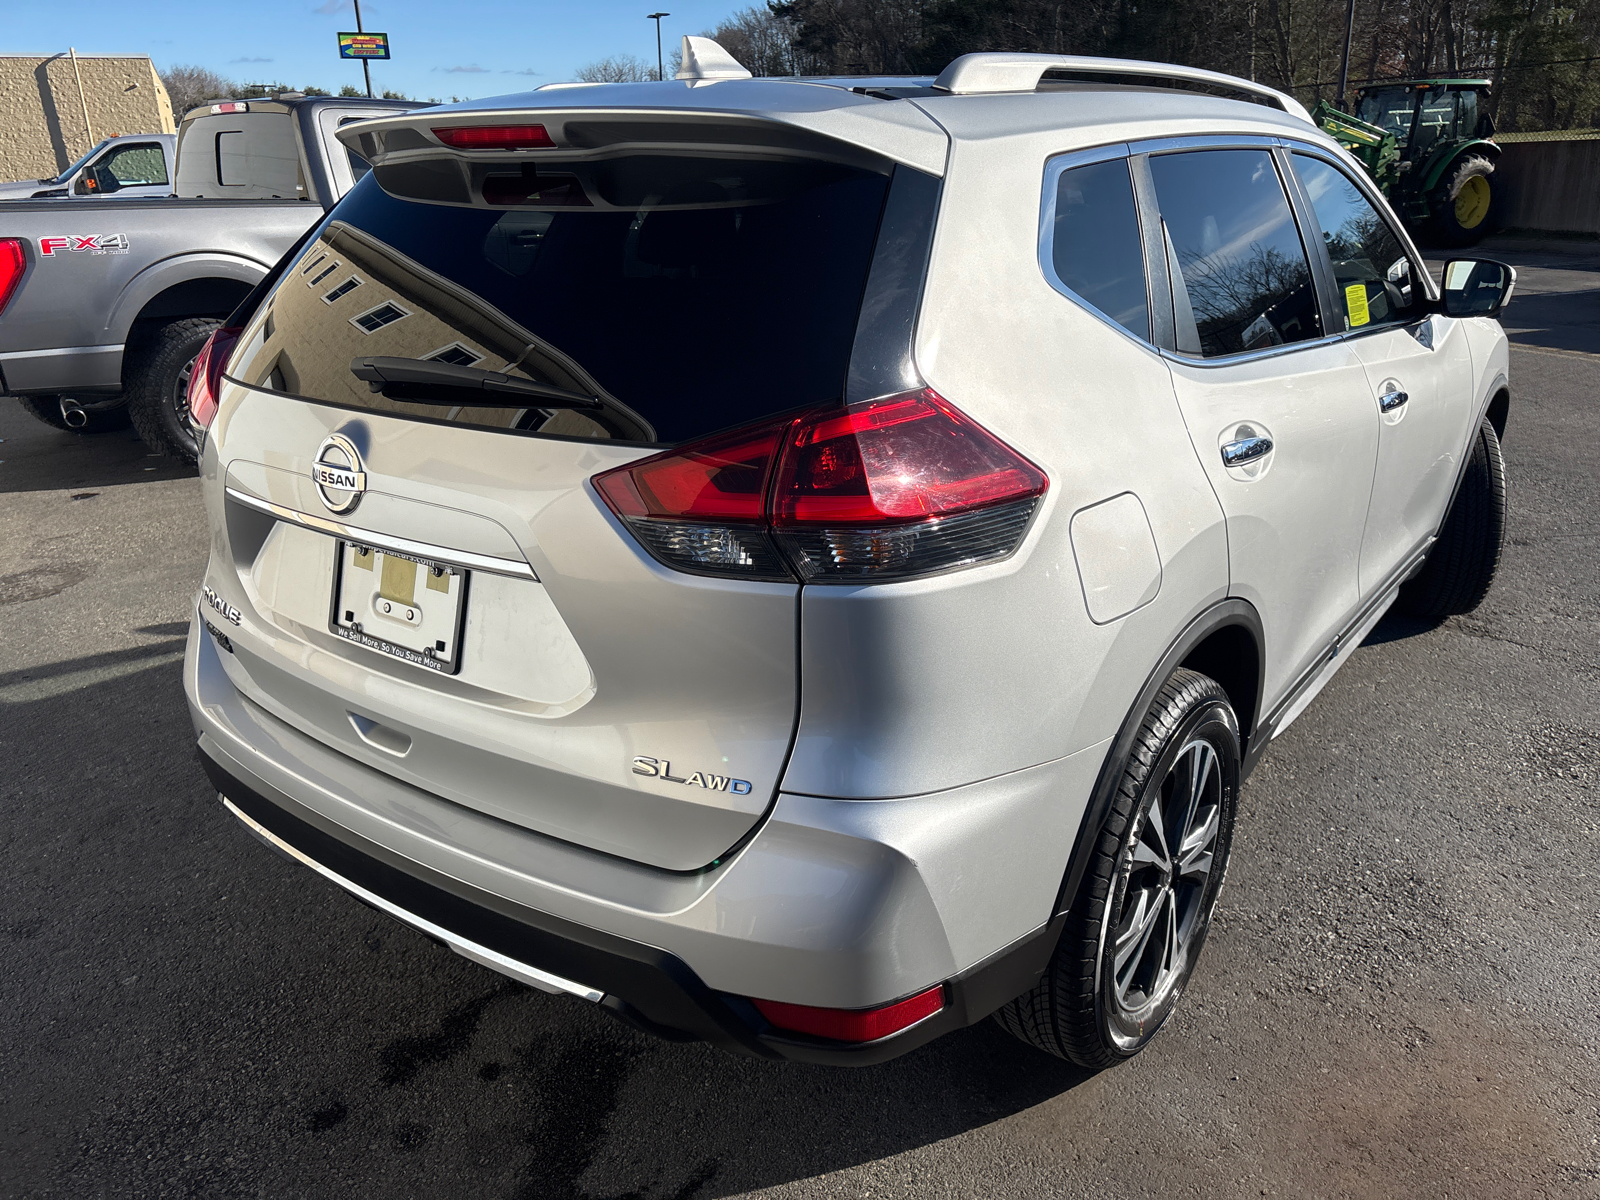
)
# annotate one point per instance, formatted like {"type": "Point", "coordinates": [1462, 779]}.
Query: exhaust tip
{"type": "Point", "coordinates": [73, 414]}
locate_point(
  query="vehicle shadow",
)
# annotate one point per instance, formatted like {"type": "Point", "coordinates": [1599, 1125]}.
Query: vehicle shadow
{"type": "Point", "coordinates": [35, 457]}
{"type": "Point", "coordinates": [1397, 627]}
{"type": "Point", "coordinates": [221, 1020]}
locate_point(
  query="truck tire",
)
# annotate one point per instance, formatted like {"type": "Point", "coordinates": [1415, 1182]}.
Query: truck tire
{"type": "Point", "coordinates": [1465, 202]}
{"type": "Point", "coordinates": [156, 375]}
{"type": "Point", "coordinates": [1462, 564]}
{"type": "Point", "coordinates": [99, 415]}
{"type": "Point", "coordinates": [1136, 926]}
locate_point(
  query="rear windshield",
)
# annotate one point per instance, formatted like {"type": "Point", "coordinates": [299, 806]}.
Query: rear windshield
{"type": "Point", "coordinates": [679, 295]}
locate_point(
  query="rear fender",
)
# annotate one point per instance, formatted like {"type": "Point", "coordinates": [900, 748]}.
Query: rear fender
{"type": "Point", "coordinates": [1446, 160]}
{"type": "Point", "coordinates": [235, 273]}
{"type": "Point", "coordinates": [1227, 613]}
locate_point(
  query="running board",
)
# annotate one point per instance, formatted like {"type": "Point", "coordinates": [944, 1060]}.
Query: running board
{"type": "Point", "coordinates": [1338, 654]}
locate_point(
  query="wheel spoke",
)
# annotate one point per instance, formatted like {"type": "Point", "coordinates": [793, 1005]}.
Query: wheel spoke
{"type": "Point", "coordinates": [1154, 823]}
{"type": "Point", "coordinates": [1200, 759]}
{"type": "Point", "coordinates": [1134, 937]}
{"type": "Point", "coordinates": [1198, 844]}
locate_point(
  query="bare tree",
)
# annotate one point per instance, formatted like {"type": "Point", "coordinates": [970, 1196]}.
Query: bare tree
{"type": "Point", "coordinates": [190, 86]}
{"type": "Point", "coordinates": [617, 68]}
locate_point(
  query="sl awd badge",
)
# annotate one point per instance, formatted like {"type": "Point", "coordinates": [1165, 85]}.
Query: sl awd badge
{"type": "Point", "coordinates": [660, 768]}
{"type": "Point", "coordinates": [339, 473]}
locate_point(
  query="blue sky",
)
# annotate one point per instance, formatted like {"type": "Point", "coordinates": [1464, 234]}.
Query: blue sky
{"type": "Point", "coordinates": [467, 48]}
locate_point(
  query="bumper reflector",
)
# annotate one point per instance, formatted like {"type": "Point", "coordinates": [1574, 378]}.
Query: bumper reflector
{"type": "Point", "coordinates": [853, 1024]}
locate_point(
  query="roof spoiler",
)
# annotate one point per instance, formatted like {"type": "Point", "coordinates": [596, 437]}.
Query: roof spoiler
{"type": "Point", "coordinates": [978, 73]}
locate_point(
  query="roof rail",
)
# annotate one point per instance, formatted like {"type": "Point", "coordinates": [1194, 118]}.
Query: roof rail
{"type": "Point", "coordinates": [976, 73]}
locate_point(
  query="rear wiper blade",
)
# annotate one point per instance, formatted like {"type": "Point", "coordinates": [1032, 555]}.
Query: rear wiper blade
{"type": "Point", "coordinates": [413, 379]}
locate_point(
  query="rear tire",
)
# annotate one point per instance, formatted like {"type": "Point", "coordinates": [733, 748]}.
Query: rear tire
{"type": "Point", "coordinates": [1462, 564]}
{"type": "Point", "coordinates": [156, 373]}
{"type": "Point", "coordinates": [1137, 924]}
{"type": "Point", "coordinates": [1465, 202]}
{"type": "Point", "coordinates": [101, 414]}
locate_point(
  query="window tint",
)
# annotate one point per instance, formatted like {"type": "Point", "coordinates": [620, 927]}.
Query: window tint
{"type": "Point", "coordinates": [707, 293]}
{"type": "Point", "coordinates": [1095, 245]}
{"type": "Point", "coordinates": [134, 165]}
{"type": "Point", "coordinates": [1370, 267]}
{"type": "Point", "coordinates": [1241, 281]}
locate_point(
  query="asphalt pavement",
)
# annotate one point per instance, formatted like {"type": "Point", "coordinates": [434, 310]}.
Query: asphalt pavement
{"type": "Point", "coordinates": [1399, 998]}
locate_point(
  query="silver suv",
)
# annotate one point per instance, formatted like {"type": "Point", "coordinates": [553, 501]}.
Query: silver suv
{"type": "Point", "coordinates": [808, 564]}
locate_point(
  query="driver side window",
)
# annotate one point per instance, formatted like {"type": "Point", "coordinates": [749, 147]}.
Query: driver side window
{"type": "Point", "coordinates": [1373, 274]}
{"type": "Point", "coordinates": [134, 166]}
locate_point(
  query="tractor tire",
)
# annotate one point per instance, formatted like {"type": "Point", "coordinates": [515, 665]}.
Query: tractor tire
{"type": "Point", "coordinates": [1465, 202]}
{"type": "Point", "coordinates": [99, 415]}
{"type": "Point", "coordinates": [156, 372]}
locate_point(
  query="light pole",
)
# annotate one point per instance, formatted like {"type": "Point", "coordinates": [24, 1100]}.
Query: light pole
{"type": "Point", "coordinates": [366, 67]}
{"type": "Point", "coordinates": [661, 70]}
{"type": "Point", "coordinates": [1344, 62]}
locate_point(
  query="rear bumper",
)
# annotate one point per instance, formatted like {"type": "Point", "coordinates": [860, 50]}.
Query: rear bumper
{"type": "Point", "coordinates": [845, 904]}
{"type": "Point", "coordinates": [649, 988]}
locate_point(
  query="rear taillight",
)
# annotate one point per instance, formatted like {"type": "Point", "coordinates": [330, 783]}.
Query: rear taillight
{"type": "Point", "coordinates": [886, 489]}
{"type": "Point", "coordinates": [853, 1024]}
{"type": "Point", "coordinates": [13, 262]}
{"type": "Point", "coordinates": [495, 137]}
{"type": "Point", "coordinates": [205, 379]}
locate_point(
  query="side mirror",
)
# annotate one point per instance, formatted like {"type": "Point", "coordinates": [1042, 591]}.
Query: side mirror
{"type": "Point", "coordinates": [85, 186]}
{"type": "Point", "coordinates": [1477, 287]}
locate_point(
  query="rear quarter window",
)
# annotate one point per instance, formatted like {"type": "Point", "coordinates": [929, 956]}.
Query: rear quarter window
{"type": "Point", "coordinates": [1094, 249]}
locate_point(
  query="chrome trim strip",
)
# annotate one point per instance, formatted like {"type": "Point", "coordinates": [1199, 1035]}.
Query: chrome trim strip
{"type": "Point", "coordinates": [492, 959]}
{"type": "Point", "coordinates": [386, 541]}
{"type": "Point", "coordinates": [16, 354]}
{"type": "Point", "coordinates": [1205, 141]}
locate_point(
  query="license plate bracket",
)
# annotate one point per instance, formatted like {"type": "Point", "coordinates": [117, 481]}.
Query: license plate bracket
{"type": "Point", "coordinates": [406, 607]}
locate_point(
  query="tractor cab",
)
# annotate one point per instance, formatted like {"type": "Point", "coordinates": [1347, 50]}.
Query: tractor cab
{"type": "Point", "coordinates": [1427, 143]}
{"type": "Point", "coordinates": [1425, 115]}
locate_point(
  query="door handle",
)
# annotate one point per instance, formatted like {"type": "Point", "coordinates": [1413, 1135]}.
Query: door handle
{"type": "Point", "coordinates": [1245, 450]}
{"type": "Point", "coordinates": [1391, 400]}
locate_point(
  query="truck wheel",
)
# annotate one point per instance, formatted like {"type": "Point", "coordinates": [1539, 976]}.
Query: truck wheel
{"type": "Point", "coordinates": [98, 415]}
{"type": "Point", "coordinates": [1464, 202]}
{"type": "Point", "coordinates": [1462, 564]}
{"type": "Point", "coordinates": [156, 374]}
{"type": "Point", "coordinates": [1136, 926]}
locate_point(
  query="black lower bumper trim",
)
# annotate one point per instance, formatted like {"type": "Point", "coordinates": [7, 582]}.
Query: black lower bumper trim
{"type": "Point", "coordinates": [651, 989]}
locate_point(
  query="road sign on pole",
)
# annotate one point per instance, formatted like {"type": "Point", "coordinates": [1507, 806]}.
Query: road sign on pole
{"type": "Point", "coordinates": [364, 45]}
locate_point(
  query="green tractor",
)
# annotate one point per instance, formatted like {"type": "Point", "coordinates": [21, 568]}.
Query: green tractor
{"type": "Point", "coordinates": [1427, 144]}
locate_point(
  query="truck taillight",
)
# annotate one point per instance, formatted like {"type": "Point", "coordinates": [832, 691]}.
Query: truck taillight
{"type": "Point", "coordinates": [891, 488]}
{"type": "Point", "coordinates": [13, 263]}
{"type": "Point", "coordinates": [205, 379]}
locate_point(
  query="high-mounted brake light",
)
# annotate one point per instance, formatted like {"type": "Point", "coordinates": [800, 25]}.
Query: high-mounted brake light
{"type": "Point", "coordinates": [205, 378]}
{"type": "Point", "coordinates": [232, 106]}
{"type": "Point", "coordinates": [495, 137]}
{"type": "Point", "coordinates": [887, 489]}
{"type": "Point", "coordinates": [13, 264]}
{"type": "Point", "coordinates": [853, 1024]}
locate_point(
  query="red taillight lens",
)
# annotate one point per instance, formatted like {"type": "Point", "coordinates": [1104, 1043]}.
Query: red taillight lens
{"type": "Point", "coordinates": [902, 458]}
{"type": "Point", "coordinates": [891, 488]}
{"type": "Point", "coordinates": [853, 1024]}
{"type": "Point", "coordinates": [13, 262]}
{"type": "Point", "coordinates": [205, 379]}
{"type": "Point", "coordinates": [495, 137]}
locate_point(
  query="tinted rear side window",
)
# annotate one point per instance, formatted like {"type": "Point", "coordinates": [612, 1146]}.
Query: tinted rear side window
{"type": "Point", "coordinates": [688, 294]}
{"type": "Point", "coordinates": [1245, 281]}
{"type": "Point", "coordinates": [1095, 247]}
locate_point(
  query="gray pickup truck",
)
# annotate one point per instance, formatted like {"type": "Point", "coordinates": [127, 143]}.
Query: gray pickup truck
{"type": "Point", "coordinates": [105, 304]}
{"type": "Point", "coordinates": [126, 166]}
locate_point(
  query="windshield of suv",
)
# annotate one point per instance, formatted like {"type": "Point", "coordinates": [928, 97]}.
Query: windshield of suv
{"type": "Point", "coordinates": [685, 294]}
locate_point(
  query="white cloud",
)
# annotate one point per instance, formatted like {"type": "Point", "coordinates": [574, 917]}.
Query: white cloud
{"type": "Point", "coordinates": [469, 69]}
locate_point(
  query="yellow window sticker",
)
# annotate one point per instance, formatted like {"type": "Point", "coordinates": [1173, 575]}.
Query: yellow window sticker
{"type": "Point", "coordinates": [1355, 303]}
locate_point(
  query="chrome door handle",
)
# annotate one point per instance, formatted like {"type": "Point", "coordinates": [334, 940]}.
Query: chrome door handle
{"type": "Point", "coordinates": [1236, 454]}
{"type": "Point", "coordinates": [1392, 400]}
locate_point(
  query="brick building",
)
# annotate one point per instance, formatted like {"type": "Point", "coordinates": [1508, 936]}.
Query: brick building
{"type": "Point", "coordinates": [54, 107]}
